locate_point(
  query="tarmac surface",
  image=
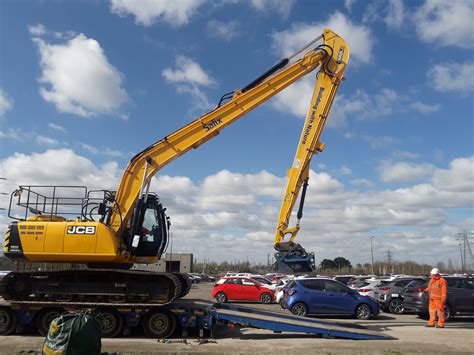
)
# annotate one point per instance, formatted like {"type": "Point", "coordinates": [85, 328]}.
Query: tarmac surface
{"type": "Point", "coordinates": [411, 338]}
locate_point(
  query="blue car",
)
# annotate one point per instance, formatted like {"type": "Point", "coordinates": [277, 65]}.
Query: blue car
{"type": "Point", "coordinates": [325, 296]}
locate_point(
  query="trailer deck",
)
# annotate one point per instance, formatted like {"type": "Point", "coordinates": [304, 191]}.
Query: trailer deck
{"type": "Point", "coordinates": [190, 314]}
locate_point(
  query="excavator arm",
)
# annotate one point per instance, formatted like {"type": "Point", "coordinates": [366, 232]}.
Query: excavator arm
{"type": "Point", "coordinates": [132, 193]}
{"type": "Point", "coordinates": [291, 256]}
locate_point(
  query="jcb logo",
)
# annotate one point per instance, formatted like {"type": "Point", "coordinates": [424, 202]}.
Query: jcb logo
{"type": "Point", "coordinates": [81, 230]}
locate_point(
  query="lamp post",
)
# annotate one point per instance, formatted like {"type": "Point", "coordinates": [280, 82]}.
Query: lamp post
{"type": "Point", "coordinates": [372, 253]}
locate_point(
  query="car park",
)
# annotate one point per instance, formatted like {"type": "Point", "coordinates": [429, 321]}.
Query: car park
{"type": "Point", "coordinates": [387, 293]}
{"type": "Point", "coordinates": [242, 289]}
{"type": "Point", "coordinates": [327, 297]}
{"type": "Point", "coordinates": [460, 300]}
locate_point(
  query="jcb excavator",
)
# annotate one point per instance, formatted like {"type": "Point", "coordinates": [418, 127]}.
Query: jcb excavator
{"type": "Point", "coordinates": [116, 229]}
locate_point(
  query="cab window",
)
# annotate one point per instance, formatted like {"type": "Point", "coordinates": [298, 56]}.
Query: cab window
{"type": "Point", "coordinates": [233, 281]}
{"type": "Point", "coordinates": [334, 287]}
{"type": "Point", "coordinates": [248, 283]}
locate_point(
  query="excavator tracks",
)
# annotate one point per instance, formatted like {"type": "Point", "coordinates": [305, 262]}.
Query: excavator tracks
{"type": "Point", "coordinates": [95, 285]}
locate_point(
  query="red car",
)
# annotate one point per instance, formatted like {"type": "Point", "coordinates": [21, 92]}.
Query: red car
{"type": "Point", "coordinates": [242, 289]}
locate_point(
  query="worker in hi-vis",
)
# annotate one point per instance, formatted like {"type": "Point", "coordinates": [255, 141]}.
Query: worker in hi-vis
{"type": "Point", "coordinates": [438, 291]}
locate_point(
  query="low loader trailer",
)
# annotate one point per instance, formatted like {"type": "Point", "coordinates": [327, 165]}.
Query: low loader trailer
{"type": "Point", "coordinates": [162, 321]}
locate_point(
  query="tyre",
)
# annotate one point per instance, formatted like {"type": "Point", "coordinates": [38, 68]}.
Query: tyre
{"type": "Point", "coordinates": [7, 321]}
{"type": "Point", "coordinates": [159, 324]}
{"type": "Point", "coordinates": [282, 304]}
{"type": "Point", "coordinates": [266, 298]}
{"type": "Point", "coordinates": [110, 322]}
{"type": "Point", "coordinates": [299, 309]}
{"type": "Point", "coordinates": [44, 319]}
{"type": "Point", "coordinates": [363, 312]}
{"type": "Point", "coordinates": [221, 297]}
{"type": "Point", "coordinates": [423, 315]}
{"type": "Point", "coordinates": [396, 306]}
{"type": "Point", "coordinates": [448, 313]}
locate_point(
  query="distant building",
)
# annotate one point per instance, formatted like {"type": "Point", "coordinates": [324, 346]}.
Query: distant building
{"type": "Point", "coordinates": [182, 263]}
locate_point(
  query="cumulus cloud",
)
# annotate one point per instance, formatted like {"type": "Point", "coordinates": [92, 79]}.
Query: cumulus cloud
{"type": "Point", "coordinates": [424, 108]}
{"type": "Point", "coordinates": [283, 7]}
{"type": "Point", "coordinates": [189, 77]}
{"type": "Point", "coordinates": [359, 37]}
{"type": "Point", "coordinates": [148, 12]}
{"type": "Point", "coordinates": [404, 171]}
{"type": "Point", "coordinates": [78, 78]}
{"type": "Point", "coordinates": [237, 213]}
{"type": "Point", "coordinates": [395, 14]}
{"type": "Point", "coordinates": [6, 103]}
{"type": "Point", "coordinates": [225, 31]}
{"type": "Point", "coordinates": [455, 77]}
{"type": "Point", "coordinates": [446, 23]}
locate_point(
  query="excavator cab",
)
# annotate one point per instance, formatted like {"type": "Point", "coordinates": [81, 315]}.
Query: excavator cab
{"type": "Point", "coordinates": [151, 236]}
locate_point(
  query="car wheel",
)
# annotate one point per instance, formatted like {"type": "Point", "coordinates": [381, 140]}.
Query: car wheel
{"type": "Point", "coordinates": [363, 312]}
{"type": "Point", "coordinates": [110, 322]}
{"type": "Point", "coordinates": [221, 297]}
{"type": "Point", "coordinates": [8, 321]}
{"type": "Point", "coordinates": [299, 309]}
{"type": "Point", "coordinates": [448, 313]}
{"type": "Point", "coordinates": [266, 298]}
{"type": "Point", "coordinates": [44, 319]}
{"type": "Point", "coordinates": [396, 306]}
{"type": "Point", "coordinates": [282, 304]}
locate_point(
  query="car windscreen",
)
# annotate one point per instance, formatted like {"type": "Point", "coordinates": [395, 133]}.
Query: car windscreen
{"type": "Point", "coordinates": [383, 283]}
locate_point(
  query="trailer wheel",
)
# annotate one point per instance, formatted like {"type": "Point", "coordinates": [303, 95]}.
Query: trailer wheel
{"type": "Point", "coordinates": [44, 319]}
{"type": "Point", "coordinates": [221, 297]}
{"type": "Point", "coordinates": [110, 322]}
{"type": "Point", "coordinates": [159, 324]}
{"type": "Point", "coordinates": [7, 321]}
{"type": "Point", "coordinates": [265, 298]}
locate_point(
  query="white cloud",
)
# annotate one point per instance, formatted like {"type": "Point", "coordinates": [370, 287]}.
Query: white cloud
{"type": "Point", "coordinates": [103, 151]}
{"type": "Point", "coordinates": [236, 210]}
{"type": "Point", "coordinates": [189, 78]}
{"type": "Point", "coordinates": [456, 77]}
{"type": "Point", "coordinates": [395, 14]}
{"type": "Point", "coordinates": [348, 4]}
{"type": "Point", "coordinates": [226, 31]}
{"type": "Point", "coordinates": [424, 108]}
{"type": "Point", "coordinates": [56, 127]}
{"type": "Point", "coordinates": [344, 170]}
{"type": "Point", "coordinates": [403, 154]}
{"type": "Point", "coordinates": [6, 103]}
{"type": "Point", "coordinates": [446, 23]}
{"type": "Point", "coordinates": [283, 7]}
{"type": "Point", "coordinates": [14, 134]}
{"type": "Point", "coordinates": [148, 12]}
{"type": "Point", "coordinates": [78, 78]}
{"type": "Point", "coordinates": [37, 30]}
{"type": "Point", "coordinates": [404, 171]}
{"type": "Point", "coordinates": [42, 140]}
{"type": "Point", "coordinates": [359, 37]}
{"type": "Point", "coordinates": [187, 71]}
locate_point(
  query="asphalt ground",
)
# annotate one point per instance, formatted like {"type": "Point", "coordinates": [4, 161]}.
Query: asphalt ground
{"type": "Point", "coordinates": [411, 337]}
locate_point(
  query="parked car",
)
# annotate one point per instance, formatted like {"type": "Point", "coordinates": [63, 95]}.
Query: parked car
{"type": "Point", "coordinates": [324, 296]}
{"type": "Point", "coordinates": [387, 293]}
{"type": "Point", "coordinates": [460, 300]}
{"type": "Point", "coordinates": [281, 284]}
{"type": "Point", "coordinates": [344, 278]}
{"type": "Point", "coordinates": [194, 278]}
{"type": "Point", "coordinates": [366, 288]}
{"type": "Point", "coordinates": [264, 281]}
{"type": "Point", "coordinates": [242, 289]}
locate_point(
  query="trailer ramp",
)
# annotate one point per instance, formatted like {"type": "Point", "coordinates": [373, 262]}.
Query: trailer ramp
{"type": "Point", "coordinates": [279, 322]}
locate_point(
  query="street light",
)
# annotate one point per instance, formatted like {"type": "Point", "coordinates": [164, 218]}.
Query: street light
{"type": "Point", "coordinates": [372, 252]}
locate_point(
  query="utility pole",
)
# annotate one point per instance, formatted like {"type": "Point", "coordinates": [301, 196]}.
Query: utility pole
{"type": "Point", "coordinates": [372, 253]}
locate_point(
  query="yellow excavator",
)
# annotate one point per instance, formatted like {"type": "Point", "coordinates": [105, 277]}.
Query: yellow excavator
{"type": "Point", "coordinates": [113, 230]}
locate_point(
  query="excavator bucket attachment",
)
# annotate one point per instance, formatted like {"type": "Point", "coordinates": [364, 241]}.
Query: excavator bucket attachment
{"type": "Point", "coordinates": [291, 263]}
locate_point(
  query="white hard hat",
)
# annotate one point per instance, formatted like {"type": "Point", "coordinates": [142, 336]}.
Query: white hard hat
{"type": "Point", "coordinates": [435, 271]}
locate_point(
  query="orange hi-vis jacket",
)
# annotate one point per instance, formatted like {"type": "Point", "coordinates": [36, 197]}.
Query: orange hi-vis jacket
{"type": "Point", "coordinates": [437, 289]}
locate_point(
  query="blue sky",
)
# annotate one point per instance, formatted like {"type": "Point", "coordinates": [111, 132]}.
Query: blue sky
{"type": "Point", "coordinates": [87, 84]}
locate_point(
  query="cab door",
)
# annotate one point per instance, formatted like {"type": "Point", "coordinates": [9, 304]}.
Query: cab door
{"type": "Point", "coordinates": [232, 288]}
